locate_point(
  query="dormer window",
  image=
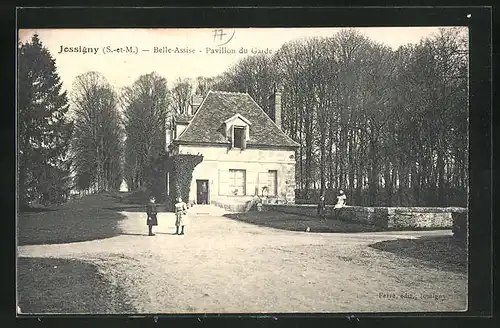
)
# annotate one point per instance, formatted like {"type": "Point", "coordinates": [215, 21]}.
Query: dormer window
{"type": "Point", "coordinates": [238, 131]}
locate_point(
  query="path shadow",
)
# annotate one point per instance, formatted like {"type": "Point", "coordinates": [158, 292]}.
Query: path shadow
{"type": "Point", "coordinates": [293, 222]}
{"type": "Point", "coordinates": [439, 252]}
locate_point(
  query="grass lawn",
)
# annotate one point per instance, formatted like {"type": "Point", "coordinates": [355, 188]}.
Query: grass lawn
{"type": "Point", "coordinates": [444, 252]}
{"type": "Point", "coordinates": [292, 222]}
{"type": "Point", "coordinates": [53, 285]}
{"type": "Point", "coordinates": [79, 220]}
{"type": "Point", "coordinates": [135, 197]}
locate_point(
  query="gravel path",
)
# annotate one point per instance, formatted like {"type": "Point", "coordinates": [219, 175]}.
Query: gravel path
{"type": "Point", "coordinates": [222, 265]}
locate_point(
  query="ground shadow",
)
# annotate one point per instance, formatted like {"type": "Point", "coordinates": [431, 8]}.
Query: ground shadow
{"type": "Point", "coordinates": [67, 226]}
{"type": "Point", "coordinates": [166, 233]}
{"type": "Point", "coordinates": [146, 234]}
{"type": "Point", "coordinates": [292, 222]}
{"type": "Point", "coordinates": [133, 234]}
{"type": "Point", "coordinates": [44, 285]}
{"type": "Point", "coordinates": [36, 209]}
{"type": "Point", "coordinates": [137, 208]}
{"type": "Point", "coordinates": [440, 252]}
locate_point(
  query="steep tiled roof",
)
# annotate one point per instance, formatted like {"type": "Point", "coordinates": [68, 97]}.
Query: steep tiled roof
{"type": "Point", "coordinates": [207, 124]}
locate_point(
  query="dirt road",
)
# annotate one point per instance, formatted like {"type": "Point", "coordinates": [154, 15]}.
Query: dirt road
{"type": "Point", "coordinates": [225, 266]}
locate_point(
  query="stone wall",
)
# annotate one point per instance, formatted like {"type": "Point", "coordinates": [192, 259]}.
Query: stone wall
{"type": "Point", "coordinates": [231, 207]}
{"type": "Point", "coordinates": [397, 218]}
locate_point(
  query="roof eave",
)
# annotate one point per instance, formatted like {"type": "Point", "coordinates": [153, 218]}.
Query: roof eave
{"type": "Point", "coordinates": [249, 145]}
{"type": "Point", "coordinates": [294, 147]}
{"type": "Point", "coordinates": [188, 142]}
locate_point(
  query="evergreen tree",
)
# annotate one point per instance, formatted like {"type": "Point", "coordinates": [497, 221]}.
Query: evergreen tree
{"type": "Point", "coordinates": [43, 127]}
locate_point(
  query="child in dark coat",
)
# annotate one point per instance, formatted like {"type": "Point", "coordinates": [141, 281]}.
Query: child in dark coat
{"type": "Point", "coordinates": [151, 212]}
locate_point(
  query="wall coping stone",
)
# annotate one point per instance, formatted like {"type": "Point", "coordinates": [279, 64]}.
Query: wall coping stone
{"type": "Point", "coordinates": [391, 210]}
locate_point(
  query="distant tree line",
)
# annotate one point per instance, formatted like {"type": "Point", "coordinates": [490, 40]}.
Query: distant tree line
{"type": "Point", "coordinates": [387, 126]}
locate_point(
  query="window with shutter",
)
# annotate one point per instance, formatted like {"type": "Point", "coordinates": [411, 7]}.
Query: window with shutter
{"type": "Point", "coordinates": [272, 183]}
{"type": "Point", "coordinates": [237, 182]}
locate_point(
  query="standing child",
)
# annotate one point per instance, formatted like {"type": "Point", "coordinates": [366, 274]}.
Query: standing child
{"type": "Point", "coordinates": [151, 212]}
{"type": "Point", "coordinates": [180, 216]}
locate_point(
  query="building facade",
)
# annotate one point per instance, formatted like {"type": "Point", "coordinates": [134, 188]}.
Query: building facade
{"type": "Point", "coordinates": [244, 151]}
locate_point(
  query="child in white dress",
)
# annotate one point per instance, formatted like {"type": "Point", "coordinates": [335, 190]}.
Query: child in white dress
{"type": "Point", "coordinates": [180, 216]}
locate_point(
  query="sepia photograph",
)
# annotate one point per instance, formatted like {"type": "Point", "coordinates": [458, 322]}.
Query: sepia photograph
{"type": "Point", "coordinates": [242, 170]}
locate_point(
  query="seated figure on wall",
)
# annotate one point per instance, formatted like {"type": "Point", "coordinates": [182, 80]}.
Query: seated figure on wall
{"type": "Point", "coordinates": [322, 206]}
{"type": "Point", "coordinates": [341, 202]}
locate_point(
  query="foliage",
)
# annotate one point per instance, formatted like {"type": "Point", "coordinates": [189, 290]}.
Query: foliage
{"type": "Point", "coordinates": [43, 128]}
{"type": "Point", "coordinates": [180, 168]}
{"type": "Point", "coordinates": [156, 172]}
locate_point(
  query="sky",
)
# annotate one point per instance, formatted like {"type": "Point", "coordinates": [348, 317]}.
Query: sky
{"type": "Point", "coordinates": [77, 51]}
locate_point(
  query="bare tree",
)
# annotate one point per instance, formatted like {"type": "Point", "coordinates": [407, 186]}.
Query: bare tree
{"type": "Point", "coordinates": [388, 126]}
{"type": "Point", "coordinates": [204, 84]}
{"type": "Point", "coordinates": [145, 105]}
{"type": "Point", "coordinates": [181, 93]}
{"type": "Point", "coordinates": [96, 147]}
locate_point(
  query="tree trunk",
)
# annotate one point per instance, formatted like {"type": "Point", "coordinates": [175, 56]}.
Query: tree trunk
{"type": "Point", "coordinates": [388, 184]}
{"type": "Point", "coordinates": [309, 145]}
{"type": "Point", "coordinates": [322, 163]}
{"type": "Point", "coordinates": [373, 172]}
{"type": "Point", "coordinates": [331, 176]}
{"type": "Point", "coordinates": [336, 166]}
{"type": "Point", "coordinates": [415, 185]}
{"type": "Point", "coordinates": [23, 203]}
{"type": "Point", "coordinates": [440, 172]}
{"type": "Point", "coordinates": [351, 165]}
{"type": "Point", "coordinates": [301, 151]}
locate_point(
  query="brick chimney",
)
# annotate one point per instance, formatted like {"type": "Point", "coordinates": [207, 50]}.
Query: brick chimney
{"type": "Point", "coordinates": [195, 103]}
{"type": "Point", "coordinates": [275, 107]}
